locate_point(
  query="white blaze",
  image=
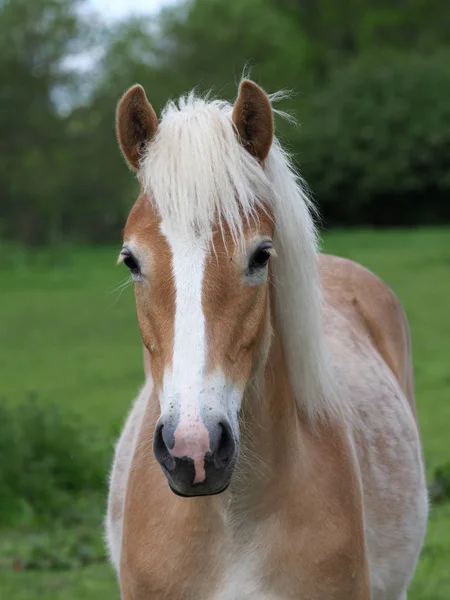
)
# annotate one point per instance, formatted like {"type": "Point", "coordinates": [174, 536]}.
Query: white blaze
{"type": "Point", "coordinates": [184, 382]}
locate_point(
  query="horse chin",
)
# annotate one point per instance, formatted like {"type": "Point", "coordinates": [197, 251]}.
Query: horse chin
{"type": "Point", "coordinates": [196, 492]}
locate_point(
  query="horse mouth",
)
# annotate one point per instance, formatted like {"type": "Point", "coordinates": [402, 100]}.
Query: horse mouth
{"type": "Point", "coordinates": [198, 490]}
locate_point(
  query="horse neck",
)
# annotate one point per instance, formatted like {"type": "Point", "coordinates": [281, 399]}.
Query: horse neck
{"type": "Point", "coordinates": [271, 426]}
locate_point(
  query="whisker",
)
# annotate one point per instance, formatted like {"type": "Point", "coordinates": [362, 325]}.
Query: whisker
{"type": "Point", "coordinates": [119, 289]}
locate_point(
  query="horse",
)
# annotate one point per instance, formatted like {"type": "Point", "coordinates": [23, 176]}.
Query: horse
{"type": "Point", "coordinates": [273, 452]}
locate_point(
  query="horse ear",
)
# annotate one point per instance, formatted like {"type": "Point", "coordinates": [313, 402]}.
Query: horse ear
{"type": "Point", "coordinates": [253, 118]}
{"type": "Point", "coordinates": [136, 124]}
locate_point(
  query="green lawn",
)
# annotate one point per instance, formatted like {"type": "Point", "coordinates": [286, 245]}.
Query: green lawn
{"type": "Point", "coordinates": [69, 336]}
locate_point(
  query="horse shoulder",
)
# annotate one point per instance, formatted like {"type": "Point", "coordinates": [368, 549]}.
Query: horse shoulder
{"type": "Point", "coordinates": [370, 336]}
{"type": "Point", "coordinates": [373, 309]}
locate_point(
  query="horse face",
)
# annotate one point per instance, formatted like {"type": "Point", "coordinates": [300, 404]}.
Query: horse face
{"type": "Point", "coordinates": [203, 311]}
{"type": "Point", "coordinates": [202, 294]}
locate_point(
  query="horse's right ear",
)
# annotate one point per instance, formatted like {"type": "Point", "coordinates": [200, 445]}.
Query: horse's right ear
{"type": "Point", "coordinates": [136, 124]}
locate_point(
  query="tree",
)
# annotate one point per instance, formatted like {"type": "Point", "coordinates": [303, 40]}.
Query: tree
{"type": "Point", "coordinates": [35, 37]}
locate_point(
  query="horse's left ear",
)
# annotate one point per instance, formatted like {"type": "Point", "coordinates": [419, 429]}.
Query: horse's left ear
{"type": "Point", "coordinates": [253, 118]}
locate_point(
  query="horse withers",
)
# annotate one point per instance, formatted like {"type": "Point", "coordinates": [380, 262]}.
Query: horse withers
{"type": "Point", "coordinates": [273, 452]}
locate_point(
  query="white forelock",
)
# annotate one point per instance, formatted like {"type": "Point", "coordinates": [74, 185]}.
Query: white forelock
{"type": "Point", "coordinates": [196, 172]}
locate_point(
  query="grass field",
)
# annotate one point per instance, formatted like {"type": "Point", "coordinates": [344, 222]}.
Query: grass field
{"type": "Point", "coordinates": [69, 336]}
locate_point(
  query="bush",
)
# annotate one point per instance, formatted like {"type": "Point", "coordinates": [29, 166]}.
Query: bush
{"type": "Point", "coordinates": [57, 546]}
{"type": "Point", "coordinates": [50, 463]}
{"type": "Point", "coordinates": [440, 487]}
{"type": "Point", "coordinates": [375, 141]}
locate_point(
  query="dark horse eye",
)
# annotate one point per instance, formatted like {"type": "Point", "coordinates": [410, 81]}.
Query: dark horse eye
{"type": "Point", "coordinates": [131, 263]}
{"type": "Point", "coordinates": [261, 257]}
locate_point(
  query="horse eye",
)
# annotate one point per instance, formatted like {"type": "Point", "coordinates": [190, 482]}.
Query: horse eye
{"type": "Point", "coordinates": [261, 257]}
{"type": "Point", "coordinates": [132, 264]}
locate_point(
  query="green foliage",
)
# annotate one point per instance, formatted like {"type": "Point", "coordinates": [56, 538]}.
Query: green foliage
{"type": "Point", "coordinates": [337, 31]}
{"type": "Point", "coordinates": [61, 546]}
{"type": "Point", "coordinates": [209, 45]}
{"type": "Point", "coordinates": [35, 37]}
{"type": "Point", "coordinates": [440, 486]}
{"type": "Point", "coordinates": [373, 145]}
{"type": "Point", "coordinates": [375, 141]}
{"type": "Point", "coordinates": [49, 462]}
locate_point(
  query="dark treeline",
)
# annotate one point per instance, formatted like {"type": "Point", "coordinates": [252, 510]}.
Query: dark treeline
{"type": "Point", "coordinates": [371, 82]}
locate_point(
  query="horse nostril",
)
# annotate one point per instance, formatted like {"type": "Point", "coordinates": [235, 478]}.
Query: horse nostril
{"type": "Point", "coordinates": [160, 449]}
{"type": "Point", "coordinates": [158, 440]}
{"type": "Point", "coordinates": [225, 449]}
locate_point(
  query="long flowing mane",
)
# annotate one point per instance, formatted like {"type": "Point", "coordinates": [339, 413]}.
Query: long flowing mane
{"type": "Point", "coordinates": [197, 174]}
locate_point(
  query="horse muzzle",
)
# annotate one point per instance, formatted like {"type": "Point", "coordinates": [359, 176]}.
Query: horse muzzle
{"type": "Point", "coordinates": [198, 460]}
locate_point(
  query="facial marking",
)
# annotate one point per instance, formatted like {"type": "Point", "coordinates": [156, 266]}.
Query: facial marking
{"type": "Point", "coordinates": [183, 383]}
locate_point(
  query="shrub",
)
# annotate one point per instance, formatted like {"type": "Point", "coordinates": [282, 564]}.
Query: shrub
{"type": "Point", "coordinates": [49, 462]}
{"type": "Point", "coordinates": [440, 487]}
{"type": "Point", "coordinates": [375, 141]}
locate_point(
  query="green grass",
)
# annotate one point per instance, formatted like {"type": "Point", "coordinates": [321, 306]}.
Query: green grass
{"type": "Point", "coordinates": [68, 337]}
{"type": "Point", "coordinates": [92, 583]}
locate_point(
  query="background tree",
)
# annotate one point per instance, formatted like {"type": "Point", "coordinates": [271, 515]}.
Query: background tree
{"type": "Point", "coordinates": [370, 82]}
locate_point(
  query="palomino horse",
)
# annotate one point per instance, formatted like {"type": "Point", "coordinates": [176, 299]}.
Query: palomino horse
{"type": "Point", "coordinates": [273, 452]}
